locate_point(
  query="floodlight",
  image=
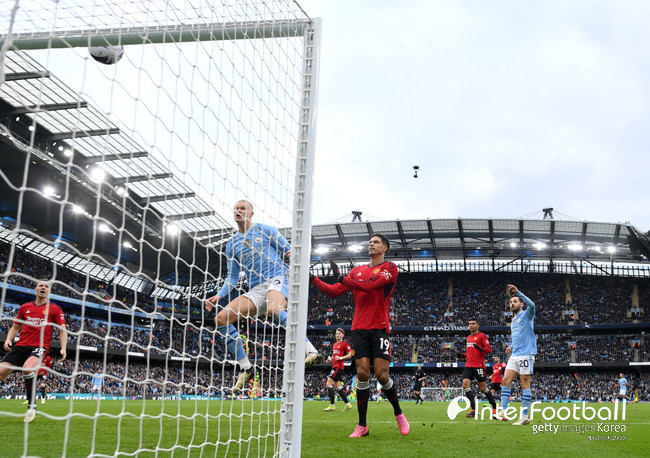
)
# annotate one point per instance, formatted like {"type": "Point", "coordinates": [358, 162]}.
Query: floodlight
{"type": "Point", "coordinates": [97, 174]}
{"type": "Point", "coordinates": [321, 249]}
{"type": "Point", "coordinates": [172, 229]}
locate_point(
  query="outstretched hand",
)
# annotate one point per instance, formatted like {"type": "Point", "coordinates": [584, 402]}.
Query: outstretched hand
{"type": "Point", "coordinates": [211, 302]}
{"type": "Point", "coordinates": [334, 268]}
{"type": "Point", "coordinates": [513, 289]}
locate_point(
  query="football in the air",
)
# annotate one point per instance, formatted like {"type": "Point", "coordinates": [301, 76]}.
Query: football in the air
{"type": "Point", "coordinates": [107, 55]}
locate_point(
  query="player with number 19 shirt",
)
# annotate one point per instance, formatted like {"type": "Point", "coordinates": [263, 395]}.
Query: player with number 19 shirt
{"type": "Point", "coordinates": [372, 286]}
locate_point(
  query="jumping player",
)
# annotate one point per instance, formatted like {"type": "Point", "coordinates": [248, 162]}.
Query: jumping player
{"type": "Point", "coordinates": [341, 352]}
{"type": "Point", "coordinates": [258, 250]}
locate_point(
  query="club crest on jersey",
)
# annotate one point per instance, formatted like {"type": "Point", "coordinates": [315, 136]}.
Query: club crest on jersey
{"type": "Point", "coordinates": [376, 271]}
{"type": "Point", "coordinates": [258, 239]}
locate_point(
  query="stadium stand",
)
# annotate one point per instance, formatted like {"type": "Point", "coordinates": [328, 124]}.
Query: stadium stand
{"type": "Point", "coordinates": [583, 320]}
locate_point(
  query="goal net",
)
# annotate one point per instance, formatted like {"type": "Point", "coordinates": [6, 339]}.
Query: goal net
{"type": "Point", "coordinates": [129, 130]}
{"type": "Point", "coordinates": [441, 393]}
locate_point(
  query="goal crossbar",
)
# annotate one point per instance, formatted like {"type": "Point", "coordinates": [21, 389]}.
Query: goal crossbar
{"type": "Point", "coordinates": [158, 35]}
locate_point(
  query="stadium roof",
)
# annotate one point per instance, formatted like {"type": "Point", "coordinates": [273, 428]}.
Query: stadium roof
{"type": "Point", "coordinates": [460, 239]}
{"type": "Point", "coordinates": [86, 164]}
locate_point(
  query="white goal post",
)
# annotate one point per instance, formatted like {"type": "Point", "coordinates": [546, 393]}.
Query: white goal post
{"type": "Point", "coordinates": [137, 165]}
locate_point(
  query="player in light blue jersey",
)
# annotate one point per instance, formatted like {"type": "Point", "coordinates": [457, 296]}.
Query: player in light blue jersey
{"type": "Point", "coordinates": [98, 381]}
{"type": "Point", "coordinates": [257, 250]}
{"type": "Point", "coordinates": [522, 351]}
{"type": "Point", "coordinates": [622, 383]}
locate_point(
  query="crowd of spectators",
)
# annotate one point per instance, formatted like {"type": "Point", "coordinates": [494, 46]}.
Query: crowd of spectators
{"type": "Point", "coordinates": [441, 299]}
{"type": "Point", "coordinates": [23, 268]}
{"type": "Point", "coordinates": [419, 300]}
{"type": "Point", "coordinates": [267, 343]}
{"type": "Point", "coordinates": [139, 379]}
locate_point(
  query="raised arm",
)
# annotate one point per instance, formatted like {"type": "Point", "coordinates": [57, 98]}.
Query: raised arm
{"type": "Point", "coordinates": [334, 290]}
{"type": "Point", "coordinates": [531, 305]}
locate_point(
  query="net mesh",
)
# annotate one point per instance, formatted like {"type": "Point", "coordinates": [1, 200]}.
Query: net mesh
{"type": "Point", "coordinates": [118, 185]}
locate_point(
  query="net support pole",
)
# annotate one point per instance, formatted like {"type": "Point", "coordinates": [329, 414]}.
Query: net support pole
{"type": "Point", "coordinates": [294, 369]}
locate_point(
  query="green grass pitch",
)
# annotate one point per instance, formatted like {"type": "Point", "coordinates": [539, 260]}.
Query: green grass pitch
{"type": "Point", "coordinates": [180, 428]}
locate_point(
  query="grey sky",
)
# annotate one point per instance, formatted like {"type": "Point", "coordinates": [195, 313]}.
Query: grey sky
{"type": "Point", "coordinates": [506, 106]}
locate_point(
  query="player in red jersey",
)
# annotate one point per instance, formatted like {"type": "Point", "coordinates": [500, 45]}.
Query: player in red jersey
{"type": "Point", "coordinates": [478, 346]}
{"type": "Point", "coordinates": [34, 322]}
{"type": "Point", "coordinates": [372, 286]}
{"type": "Point", "coordinates": [341, 352]}
{"type": "Point", "coordinates": [498, 369]}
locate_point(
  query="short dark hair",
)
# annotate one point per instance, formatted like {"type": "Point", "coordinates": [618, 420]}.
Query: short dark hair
{"type": "Point", "coordinates": [384, 240]}
{"type": "Point", "coordinates": [340, 329]}
{"type": "Point", "coordinates": [473, 319]}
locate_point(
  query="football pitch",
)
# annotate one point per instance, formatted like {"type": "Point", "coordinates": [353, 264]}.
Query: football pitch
{"type": "Point", "coordinates": [180, 428]}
